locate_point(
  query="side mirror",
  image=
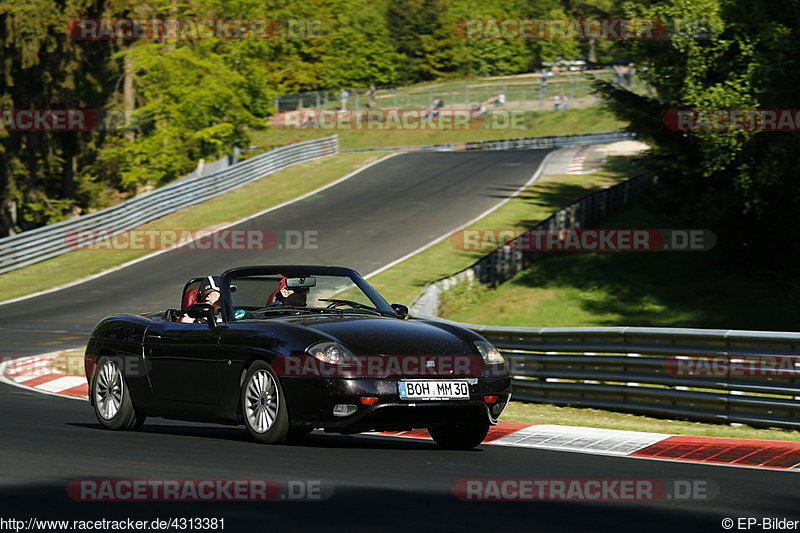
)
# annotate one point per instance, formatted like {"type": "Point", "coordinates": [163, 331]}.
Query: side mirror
{"type": "Point", "coordinates": [401, 310]}
{"type": "Point", "coordinates": [203, 312]}
{"type": "Point", "coordinates": [172, 315]}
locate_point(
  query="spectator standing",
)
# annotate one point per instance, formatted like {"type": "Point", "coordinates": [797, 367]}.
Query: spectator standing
{"type": "Point", "coordinates": [627, 77]}
{"type": "Point", "coordinates": [617, 74]}
{"type": "Point", "coordinates": [372, 96]}
{"type": "Point", "coordinates": [545, 74]}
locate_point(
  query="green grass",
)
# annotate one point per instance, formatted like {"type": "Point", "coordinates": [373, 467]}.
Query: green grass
{"type": "Point", "coordinates": [403, 282]}
{"type": "Point", "coordinates": [586, 417]}
{"type": "Point", "coordinates": [660, 289]}
{"type": "Point", "coordinates": [526, 92]}
{"type": "Point", "coordinates": [534, 124]}
{"type": "Point", "coordinates": [498, 82]}
{"type": "Point", "coordinates": [615, 301]}
{"type": "Point", "coordinates": [239, 203]}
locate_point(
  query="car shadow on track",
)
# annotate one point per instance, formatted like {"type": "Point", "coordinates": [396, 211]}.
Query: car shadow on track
{"type": "Point", "coordinates": [317, 439]}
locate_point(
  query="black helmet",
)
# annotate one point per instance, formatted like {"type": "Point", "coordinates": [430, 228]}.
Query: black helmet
{"type": "Point", "coordinates": [209, 283]}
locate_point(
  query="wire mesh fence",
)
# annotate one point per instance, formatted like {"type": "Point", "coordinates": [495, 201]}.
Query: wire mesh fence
{"type": "Point", "coordinates": [535, 92]}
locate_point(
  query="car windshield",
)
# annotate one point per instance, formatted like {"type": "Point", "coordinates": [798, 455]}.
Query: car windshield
{"type": "Point", "coordinates": [266, 295]}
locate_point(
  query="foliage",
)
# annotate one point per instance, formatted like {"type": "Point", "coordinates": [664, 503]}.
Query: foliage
{"type": "Point", "coordinates": [188, 99]}
{"type": "Point", "coordinates": [195, 104]}
{"type": "Point", "coordinates": [743, 183]}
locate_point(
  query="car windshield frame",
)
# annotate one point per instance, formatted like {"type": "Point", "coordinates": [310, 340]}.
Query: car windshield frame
{"type": "Point", "coordinates": [381, 305]}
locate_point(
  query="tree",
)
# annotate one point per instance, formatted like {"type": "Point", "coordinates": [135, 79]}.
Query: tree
{"type": "Point", "coordinates": [742, 182]}
{"type": "Point", "coordinates": [492, 57]}
{"type": "Point", "coordinates": [422, 31]}
{"type": "Point", "coordinates": [359, 51]}
{"type": "Point", "coordinates": [198, 100]}
{"type": "Point", "coordinates": [44, 68]}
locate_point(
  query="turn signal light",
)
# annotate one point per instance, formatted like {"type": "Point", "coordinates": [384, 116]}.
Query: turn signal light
{"type": "Point", "coordinates": [490, 399]}
{"type": "Point", "coordinates": [369, 400]}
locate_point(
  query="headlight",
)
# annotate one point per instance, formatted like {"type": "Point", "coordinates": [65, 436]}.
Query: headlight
{"type": "Point", "coordinates": [331, 352]}
{"type": "Point", "coordinates": [490, 354]}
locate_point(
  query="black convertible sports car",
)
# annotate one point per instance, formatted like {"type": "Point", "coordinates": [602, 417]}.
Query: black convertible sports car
{"type": "Point", "coordinates": [285, 350]}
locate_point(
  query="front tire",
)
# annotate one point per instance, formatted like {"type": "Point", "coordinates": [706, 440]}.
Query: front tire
{"type": "Point", "coordinates": [459, 436]}
{"type": "Point", "coordinates": [264, 408]}
{"type": "Point", "coordinates": [111, 397]}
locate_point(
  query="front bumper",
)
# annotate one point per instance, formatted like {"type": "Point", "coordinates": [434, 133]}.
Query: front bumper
{"type": "Point", "coordinates": [311, 402]}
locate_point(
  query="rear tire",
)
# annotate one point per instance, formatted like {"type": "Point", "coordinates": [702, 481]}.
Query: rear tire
{"type": "Point", "coordinates": [459, 436]}
{"type": "Point", "coordinates": [111, 398]}
{"type": "Point", "coordinates": [264, 410]}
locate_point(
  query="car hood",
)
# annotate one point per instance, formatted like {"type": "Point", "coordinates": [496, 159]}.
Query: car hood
{"type": "Point", "coordinates": [371, 335]}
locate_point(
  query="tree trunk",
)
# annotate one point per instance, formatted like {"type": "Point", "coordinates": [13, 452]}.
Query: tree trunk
{"type": "Point", "coordinates": [70, 168]}
{"type": "Point", "coordinates": [8, 217]}
{"type": "Point", "coordinates": [129, 98]}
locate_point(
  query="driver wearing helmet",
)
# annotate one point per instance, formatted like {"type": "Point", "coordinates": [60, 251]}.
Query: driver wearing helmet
{"type": "Point", "coordinates": [208, 293]}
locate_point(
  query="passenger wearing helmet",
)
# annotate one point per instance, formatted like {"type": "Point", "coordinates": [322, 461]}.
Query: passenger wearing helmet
{"type": "Point", "coordinates": [290, 297]}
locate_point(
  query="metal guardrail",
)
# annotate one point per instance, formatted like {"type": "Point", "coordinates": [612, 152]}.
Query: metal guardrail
{"type": "Point", "coordinates": [729, 376]}
{"type": "Point", "coordinates": [521, 143]}
{"type": "Point", "coordinates": [505, 261]}
{"type": "Point", "coordinates": [56, 239]}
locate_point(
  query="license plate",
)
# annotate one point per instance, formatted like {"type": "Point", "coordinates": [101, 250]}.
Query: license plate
{"type": "Point", "coordinates": [434, 390]}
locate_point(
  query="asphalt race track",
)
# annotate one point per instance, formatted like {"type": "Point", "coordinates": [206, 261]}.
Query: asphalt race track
{"type": "Point", "coordinates": [366, 222]}
{"type": "Point", "coordinates": [377, 483]}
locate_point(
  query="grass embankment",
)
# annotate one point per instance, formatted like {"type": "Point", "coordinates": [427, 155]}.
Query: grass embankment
{"type": "Point", "coordinates": [532, 124]}
{"type": "Point", "coordinates": [404, 281]}
{"type": "Point", "coordinates": [578, 288]}
{"type": "Point", "coordinates": [660, 289]}
{"type": "Point", "coordinates": [237, 204]}
{"type": "Point", "coordinates": [663, 289]}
